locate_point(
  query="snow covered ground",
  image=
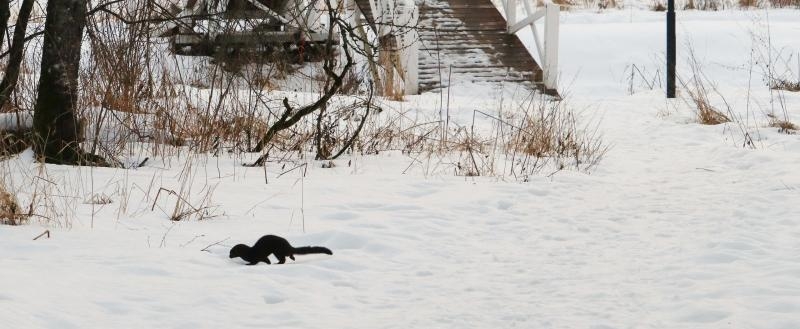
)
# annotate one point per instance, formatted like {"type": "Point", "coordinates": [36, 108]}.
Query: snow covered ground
{"type": "Point", "coordinates": [679, 226]}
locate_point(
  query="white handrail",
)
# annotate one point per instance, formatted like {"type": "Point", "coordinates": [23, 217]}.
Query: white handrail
{"type": "Point", "coordinates": [548, 51]}
{"type": "Point", "coordinates": [510, 7]}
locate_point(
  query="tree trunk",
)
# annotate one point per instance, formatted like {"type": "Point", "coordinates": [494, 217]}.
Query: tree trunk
{"type": "Point", "coordinates": [5, 13]}
{"type": "Point", "coordinates": [16, 52]}
{"type": "Point", "coordinates": [54, 121]}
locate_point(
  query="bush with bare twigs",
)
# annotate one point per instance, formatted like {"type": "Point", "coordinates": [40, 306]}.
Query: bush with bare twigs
{"type": "Point", "coordinates": [551, 132]}
{"type": "Point", "coordinates": [540, 135]}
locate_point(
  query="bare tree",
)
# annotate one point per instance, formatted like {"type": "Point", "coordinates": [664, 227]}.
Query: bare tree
{"type": "Point", "coordinates": [5, 13]}
{"type": "Point", "coordinates": [55, 123]}
{"type": "Point", "coordinates": [16, 52]}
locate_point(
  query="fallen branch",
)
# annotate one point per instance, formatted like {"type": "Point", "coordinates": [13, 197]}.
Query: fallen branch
{"type": "Point", "coordinates": [214, 244]}
{"type": "Point", "coordinates": [192, 240]}
{"type": "Point", "coordinates": [46, 232]}
{"type": "Point", "coordinates": [358, 130]}
{"type": "Point", "coordinates": [293, 169]}
{"type": "Point", "coordinates": [175, 194]}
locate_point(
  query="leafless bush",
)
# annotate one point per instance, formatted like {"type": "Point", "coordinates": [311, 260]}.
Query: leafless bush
{"type": "Point", "coordinates": [122, 72]}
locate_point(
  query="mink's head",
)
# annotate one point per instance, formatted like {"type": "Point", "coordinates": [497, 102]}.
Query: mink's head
{"type": "Point", "coordinates": [238, 250]}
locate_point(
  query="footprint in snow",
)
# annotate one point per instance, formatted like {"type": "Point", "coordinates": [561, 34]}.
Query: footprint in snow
{"type": "Point", "coordinates": [708, 316]}
{"type": "Point", "coordinates": [365, 205]}
{"type": "Point", "coordinates": [343, 215]}
{"type": "Point", "coordinates": [504, 205]}
{"type": "Point", "coordinates": [274, 299]}
{"type": "Point", "coordinates": [783, 307]}
{"type": "Point", "coordinates": [538, 192]}
{"type": "Point", "coordinates": [716, 258]}
{"type": "Point", "coordinates": [145, 271]}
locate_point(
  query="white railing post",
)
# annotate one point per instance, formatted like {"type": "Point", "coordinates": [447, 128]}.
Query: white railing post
{"type": "Point", "coordinates": [551, 46]}
{"type": "Point", "coordinates": [411, 53]}
{"type": "Point", "coordinates": [511, 14]}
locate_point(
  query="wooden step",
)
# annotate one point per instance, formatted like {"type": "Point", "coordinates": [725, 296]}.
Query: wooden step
{"type": "Point", "coordinates": [466, 40]}
{"type": "Point", "coordinates": [366, 10]}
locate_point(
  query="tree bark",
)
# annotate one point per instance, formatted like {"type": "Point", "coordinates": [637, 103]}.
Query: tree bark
{"type": "Point", "coordinates": [55, 123]}
{"type": "Point", "coordinates": [5, 13]}
{"type": "Point", "coordinates": [16, 52]}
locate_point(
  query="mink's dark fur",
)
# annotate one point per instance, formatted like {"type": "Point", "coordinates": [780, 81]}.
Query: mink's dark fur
{"type": "Point", "coordinates": [273, 244]}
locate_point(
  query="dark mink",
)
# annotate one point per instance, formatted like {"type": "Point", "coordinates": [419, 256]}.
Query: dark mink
{"type": "Point", "coordinates": [273, 244]}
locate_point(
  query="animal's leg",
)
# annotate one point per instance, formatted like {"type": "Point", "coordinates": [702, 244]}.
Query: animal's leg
{"type": "Point", "coordinates": [281, 258]}
{"type": "Point", "coordinates": [291, 256]}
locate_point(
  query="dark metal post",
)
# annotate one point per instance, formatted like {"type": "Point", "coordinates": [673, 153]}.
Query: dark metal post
{"type": "Point", "coordinates": [671, 49]}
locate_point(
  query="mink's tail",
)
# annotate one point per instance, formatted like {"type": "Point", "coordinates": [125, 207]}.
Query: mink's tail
{"type": "Point", "coordinates": [312, 250]}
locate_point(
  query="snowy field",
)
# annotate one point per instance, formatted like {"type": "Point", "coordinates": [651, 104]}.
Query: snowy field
{"type": "Point", "coordinates": [678, 227]}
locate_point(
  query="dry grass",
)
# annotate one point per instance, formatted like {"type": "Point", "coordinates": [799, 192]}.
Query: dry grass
{"type": "Point", "coordinates": [539, 134]}
{"type": "Point", "coordinates": [13, 142]}
{"type": "Point", "coordinates": [99, 199]}
{"type": "Point", "coordinates": [783, 125]}
{"type": "Point", "coordinates": [564, 4]}
{"type": "Point", "coordinates": [707, 114]}
{"type": "Point", "coordinates": [10, 212]}
{"type": "Point", "coordinates": [784, 3]}
{"type": "Point", "coordinates": [698, 92]}
{"type": "Point", "coordinates": [609, 4]}
{"type": "Point", "coordinates": [709, 5]}
{"type": "Point", "coordinates": [120, 76]}
{"type": "Point", "coordinates": [551, 132]}
{"type": "Point", "coordinates": [658, 6]}
{"type": "Point", "coordinates": [748, 3]}
{"type": "Point", "coordinates": [782, 84]}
